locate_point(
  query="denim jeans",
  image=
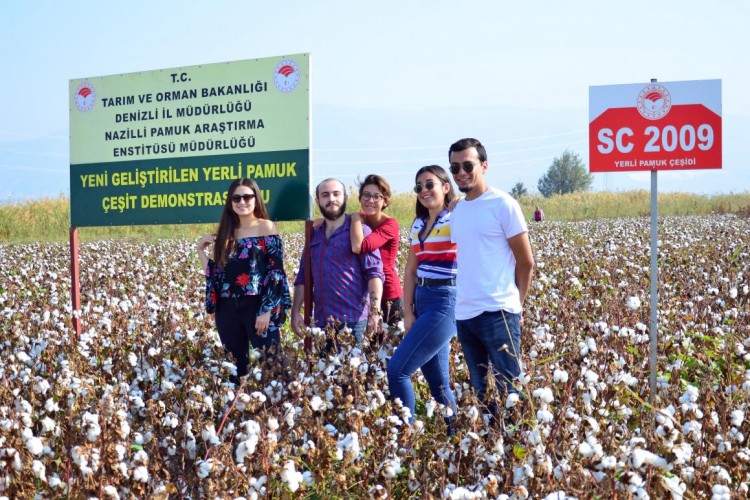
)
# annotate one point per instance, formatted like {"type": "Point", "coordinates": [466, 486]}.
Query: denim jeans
{"type": "Point", "coordinates": [491, 339]}
{"type": "Point", "coordinates": [358, 332]}
{"type": "Point", "coordinates": [426, 346]}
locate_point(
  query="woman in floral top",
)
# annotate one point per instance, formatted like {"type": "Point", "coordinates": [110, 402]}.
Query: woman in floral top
{"type": "Point", "coordinates": [245, 281]}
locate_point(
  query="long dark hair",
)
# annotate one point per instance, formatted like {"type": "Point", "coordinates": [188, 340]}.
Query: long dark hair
{"type": "Point", "coordinates": [442, 175]}
{"type": "Point", "coordinates": [229, 222]}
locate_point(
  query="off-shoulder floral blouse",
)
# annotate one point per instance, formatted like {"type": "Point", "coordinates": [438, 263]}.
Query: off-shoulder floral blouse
{"type": "Point", "coordinates": [255, 267]}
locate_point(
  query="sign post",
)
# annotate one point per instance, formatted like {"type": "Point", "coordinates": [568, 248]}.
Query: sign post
{"type": "Point", "coordinates": [669, 126]}
{"type": "Point", "coordinates": [161, 147]}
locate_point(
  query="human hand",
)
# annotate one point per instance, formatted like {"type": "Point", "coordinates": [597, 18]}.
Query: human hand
{"type": "Point", "coordinates": [205, 242]}
{"type": "Point", "coordinates": [375, 321]}
{"type": "Point", "coordinates": [318, 222]}
{"type": "Point", "coordinates": [262, 322]}
{"type": "Point", "coordinates": [454, 202]}
{"type": "Point", "coordinates": [298, 324]}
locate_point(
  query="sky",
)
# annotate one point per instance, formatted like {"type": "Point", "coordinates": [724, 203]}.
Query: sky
{"type": "Point", "coordinates": [394, 83]}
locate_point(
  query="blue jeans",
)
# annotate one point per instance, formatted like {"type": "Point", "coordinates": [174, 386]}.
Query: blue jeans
{"type": "Point", "coordinates": [491, 339]}
{"type": "Point", "coordinates": [358, 332]}
{"type": "Point", "coordinates": [426, 346]}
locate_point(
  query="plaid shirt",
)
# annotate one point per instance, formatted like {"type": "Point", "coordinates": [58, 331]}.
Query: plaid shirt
{"type": "Point", "coordinates": [340, 276]}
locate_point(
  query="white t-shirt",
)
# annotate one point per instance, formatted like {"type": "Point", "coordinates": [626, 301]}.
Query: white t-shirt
{"type": "Point", "coordinates": [486, 265]}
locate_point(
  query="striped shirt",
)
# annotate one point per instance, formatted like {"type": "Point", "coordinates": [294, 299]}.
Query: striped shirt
{"type": "Point", "coordinates": [436, 255]}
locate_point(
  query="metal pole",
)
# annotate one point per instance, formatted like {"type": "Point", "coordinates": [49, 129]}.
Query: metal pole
{"type": "Point", "coordinates": [654, 284]}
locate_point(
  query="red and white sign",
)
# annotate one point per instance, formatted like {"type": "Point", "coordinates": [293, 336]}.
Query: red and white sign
{"type": "Point", "coordinates": [655, 126]}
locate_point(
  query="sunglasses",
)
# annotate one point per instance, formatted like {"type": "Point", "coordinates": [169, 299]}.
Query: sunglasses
{"type": "Point", "coordinates": [236, 198]}
{"type": "Point", "coordinates": [456, 168]}
{"type": "Point", "coordinates": [372, 196]}
{"type": "Point", "coordinates": [429, 185]}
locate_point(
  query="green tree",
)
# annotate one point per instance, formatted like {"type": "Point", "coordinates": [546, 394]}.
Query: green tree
{"type": "Point", "coordinates": [519, 190]}
{"type": "Point", "coordinates": [567, 174]}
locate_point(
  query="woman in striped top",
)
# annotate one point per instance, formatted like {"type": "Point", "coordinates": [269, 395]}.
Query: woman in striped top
{"type": "Point", "coordinates": [429, 295]}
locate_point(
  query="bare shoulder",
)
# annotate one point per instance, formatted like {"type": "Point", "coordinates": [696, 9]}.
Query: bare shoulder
{"type": "Point", "coordinates": [267, 227]}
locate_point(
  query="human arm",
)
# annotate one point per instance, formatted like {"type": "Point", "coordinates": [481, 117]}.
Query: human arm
{"type": "Point", "coordinates": [375, 315]}
{"type": "Point", "coordinates": [521, 248]}
{"type": "Point", "coordinates": [372, 268]}
{"type": "Point", "coordinates": [410, 284]}
{"type": "Point", "coordinates": [388, 230]}
{"type": "Point", "coordinates": [275, 300]}
{"type": "Point", "coordinates": [356, 233]}
{"type": "Point", "coordinates": [297, 321]}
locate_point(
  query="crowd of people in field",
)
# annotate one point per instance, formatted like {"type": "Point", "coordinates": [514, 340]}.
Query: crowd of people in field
{"type": "Point", "coordinates": [468, 271]}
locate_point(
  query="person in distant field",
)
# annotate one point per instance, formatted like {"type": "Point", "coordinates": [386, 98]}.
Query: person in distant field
{"type": "Point", "coordinates": [538, 215]}
{"type": "Point", "coordinates": [495, 265]}
{"type": "Point", "coordinates": [246, 285]}
{"type": "Point", "coordinates": [429, 295]}
{"type": "Point", "coordinates": [344, 283]}
{"type": "Point", "coordinates": [374, 198]}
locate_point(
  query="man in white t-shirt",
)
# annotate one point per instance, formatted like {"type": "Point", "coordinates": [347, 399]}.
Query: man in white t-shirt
{"type": "Point", "coordinates": [495, 265]}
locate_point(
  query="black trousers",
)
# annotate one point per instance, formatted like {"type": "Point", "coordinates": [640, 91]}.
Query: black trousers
{"type": "Point", "coordinates": [393, 310]}
{"type": "Point", "coordinates": [235, 321]}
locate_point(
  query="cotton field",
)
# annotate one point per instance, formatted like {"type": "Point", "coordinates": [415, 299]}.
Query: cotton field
{"type": "Point", "coordinates": [140, 405]}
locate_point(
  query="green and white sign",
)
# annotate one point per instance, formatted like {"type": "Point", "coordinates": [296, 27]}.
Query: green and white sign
{"type": "Point", "coordinates": [162, 147]}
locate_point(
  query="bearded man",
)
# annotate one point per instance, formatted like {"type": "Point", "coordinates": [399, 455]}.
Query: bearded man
{"type": "Point", "coordinates": [344, 283]}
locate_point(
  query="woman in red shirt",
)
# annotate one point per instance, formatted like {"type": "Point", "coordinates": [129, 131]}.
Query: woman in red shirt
{"type": "Point", "coordinates": [374, 197]}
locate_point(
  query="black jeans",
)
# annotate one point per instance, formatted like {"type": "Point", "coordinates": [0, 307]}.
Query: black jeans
{"type": "Point", "coordinates": [393, 310]}
{"type": "Point", "coordinates": [235, 321]}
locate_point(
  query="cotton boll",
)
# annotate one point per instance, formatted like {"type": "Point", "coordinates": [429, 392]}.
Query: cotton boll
{"type": "Point", "coordinates": [545, 416]}
{"type": "Point", "coordinates": [641, 457]}
{"type": "Point", "coordinates": [737, 417]}
{"type": "Point", "coordinates": [392, 468]}
{"type": "Point", "coordinates": [316, 403]}
{"type": "Point", "coordinates": [720, 492]}
{"type": "Point", "coordinates": [273, 424]}
{"type": "Point", "coordinates": [585, 450]}
{"type": "Point", "coordinates": [544, 394]}
{"type": "Point", "coordinates": [511, 400]}
{"type": "Point", "coordinates": [246, 448]}
{"type": "Point", "coordinates": [208, 433]}
{"type": "Point", "coordinates": [34, 445]}
{"type": "Point", "coordinates": [633, 303]}
{"type": "Point", "coordinates": [560, 376]}
{"type": "Point", "coordinates": [204, 468]}
{"type": "Point", "coordinates": [430, 407]}
{"type": "Point", "coordinates": [561, 469]}
{"type": "Point", "coordinates": [140, 474]}
{"type": "Point", "coordinates": [37, 468]}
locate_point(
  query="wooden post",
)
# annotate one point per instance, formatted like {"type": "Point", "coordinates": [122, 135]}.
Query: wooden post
{"type": "Point", "coordinates": [308, 304]}
{"type": "Point", "coordinates": [75, 283]}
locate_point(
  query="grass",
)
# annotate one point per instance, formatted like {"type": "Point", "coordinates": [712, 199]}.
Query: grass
{"type": "Point", "coordinates": [48, 219]}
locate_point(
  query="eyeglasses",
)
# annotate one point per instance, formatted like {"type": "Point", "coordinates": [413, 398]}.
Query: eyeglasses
{"type": "Point", "coordinates": [236, 198]}
{"type": "Point", "coordinates": [429, 185]}
{"type": "Point", "coordinates": [467, 166]}
{"type": "Point", "coordinates": [371, 196]}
